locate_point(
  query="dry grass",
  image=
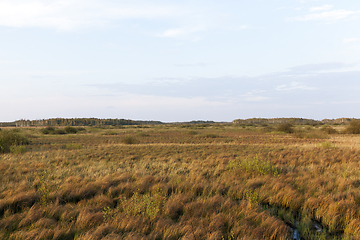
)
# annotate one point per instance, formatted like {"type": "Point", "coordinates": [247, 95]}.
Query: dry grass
{"type": "Point", "coordinates": [213, 182]}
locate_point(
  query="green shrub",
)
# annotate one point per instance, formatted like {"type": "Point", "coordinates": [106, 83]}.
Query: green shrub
{"type": "Point", "coordinates": [111, 133]}
{"type": "Point", "coordinates": [18, 149]}
{"type": "Point", "coordinates": [10, 138]}
{"type": "Point", "coordinates": [192, 132]}
{"type": "Point", "coordinates": [129, 140]}
{"type": "Point", "coordinates": [285, 127]}
{"type": "Point", "coordinates": [48, 130]}
{"type": "Point", "coordinates": [211, 135]}
{"type": "Point", "coordinates": [256, 167]}
{"type": "Point", "coordinates": [59, 131]}
{"type": "Point", "coordinates": [148, 205]}
{"type": "Point", "coordinates": [69, 129]}
{"type": "Point", "coordinates": [329, 130]}
{"type": "Point", "coordinates": [353, 127]}
{"type": "Point", "coordinates": [326, 145]}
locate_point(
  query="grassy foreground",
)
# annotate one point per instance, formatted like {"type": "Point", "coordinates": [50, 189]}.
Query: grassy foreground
{"type": "Point", "coordinates": [181, 182]}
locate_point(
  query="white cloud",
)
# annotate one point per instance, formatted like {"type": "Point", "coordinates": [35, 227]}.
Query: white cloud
{"type": "Point", "coordinates": [183, 32]}
{"type": "Point", "coordinates": [10, 62]}
{"type": "Point", "coordinates": [69, 15]}
{"type": "Point", "coordinates": [175, 32]}
{"type": "Point", "coordinates": [256, 99]}
{"type": "Point", "coordinates": [293, 86]}
{"type": "Point", "coordinates": [350, 40]}
{"type": "Point", "coordinates": [330, 16]}
{"type": "Point", "coordinates": [323, 8]}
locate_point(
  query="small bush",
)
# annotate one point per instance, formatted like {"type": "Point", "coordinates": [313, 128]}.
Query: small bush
{"type": "Point", "coordinates": [326, 145]}
{"type": "Point", "coordinates": [353, 127]}
{"type": "Point", "coordinates": [147, 205]}
{"type": "Point", "coordinates": [9, 138]}
{"type": "Point", "coordinates": [18, 149]}
{"type": "Point", "coordinates": [329, 130]}
{"type": "Point", "coordinates": [211, 135]}
{"type": "Point", "coordinates": [59, 131]}
{"type": "Point", "coordinates": [267, 129]}
{"type": "Point", "coordinates": [48, 130]}
{"type": "Point", "coordinates": [111, 133]}
{"type": "Point", "coordinates": [129, 140]}
{"type": "Point", "coordinates": [69, 129]}
{"type": "Point", "coordinates": [285, 127]}
{"type": "Point", "coordinates": [81, 129]}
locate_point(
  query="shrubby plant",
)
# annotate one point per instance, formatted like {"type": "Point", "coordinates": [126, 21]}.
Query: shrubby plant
{"type": "Point", "coordinates": [66, 130]}
{"type": "Point", "coordinates": [329, 130]}
{"type": "Point", "coordinates": [69, 129]}
{"type": "Point", "coordinates": [353, 127]}
{"type": "Point", "coordinates": [129, 140]}
{"type": "Point", "coordinates": [285, 127]}
{"type": "Point", "coordinates": [9, 139]}
{"type": "Point", "coordinates": [256, 167]}
{"type": "Point", "coordinates": [147, 205]}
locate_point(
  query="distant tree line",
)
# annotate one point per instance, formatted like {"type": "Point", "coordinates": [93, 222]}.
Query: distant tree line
{"type": "Point", "coordinates": [297, 121]}
{"type": "Point", "coordinates": [76, 122]}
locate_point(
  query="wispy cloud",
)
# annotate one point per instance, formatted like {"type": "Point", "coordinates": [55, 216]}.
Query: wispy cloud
{"type": "Point", "coordinates": [66, 15]}
{"type": "Point", "coordinates": [192, 65]}
{"type": "Point", "coordinates": [351, 40]}
{"type": "Point", "coordinates": [294, 86]}
{"type": "Point", "coordinates": [323, 8]}
{"type": "Point", "coordinates": [183, 31]}
{"type": "Point", "coordinates": [312, 68]}
{"type": "Point", "coordinates": [10, 62]}
{"type": "Point", "coordinates": [328, 16]}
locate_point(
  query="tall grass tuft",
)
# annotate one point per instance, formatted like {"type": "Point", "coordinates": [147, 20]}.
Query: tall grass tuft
{"type": "Point", "coordinates": [256, 167]}
{"type": "Point", "coordinates": [129, 140]}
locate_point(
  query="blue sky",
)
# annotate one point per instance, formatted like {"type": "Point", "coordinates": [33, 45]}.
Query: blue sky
{"type": "Point", "coordinates": [179, 60]}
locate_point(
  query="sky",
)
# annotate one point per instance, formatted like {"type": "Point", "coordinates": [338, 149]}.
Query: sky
{"type": "Point", "coordinates": [179, 60]}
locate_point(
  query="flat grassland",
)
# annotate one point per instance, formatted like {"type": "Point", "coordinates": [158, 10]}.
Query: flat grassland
{"type": "Point", "coordinates": [210, 181]}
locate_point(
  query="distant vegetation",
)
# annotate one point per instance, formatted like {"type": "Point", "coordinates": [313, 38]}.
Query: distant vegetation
{"type": "Point", "coordinates": [66, 130]}
{"type": "Point", "coordinates": [77, 122]}
{"type": "Point", "coordinates": [126, 122]}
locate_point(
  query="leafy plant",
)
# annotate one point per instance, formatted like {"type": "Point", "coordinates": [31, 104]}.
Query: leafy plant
{"type": "Point", "coordinates": [44, 189]}
{"type": "Point", "coordinates": [147, 205]}
{"type": "Point", "coordinates": [256, 167]}
{"type": "Point", "coordinates": [252, 196]}
{"type": "Point", "coordinates": [18, 149]}
{"type": "Point", "coordinates": [326, 145]}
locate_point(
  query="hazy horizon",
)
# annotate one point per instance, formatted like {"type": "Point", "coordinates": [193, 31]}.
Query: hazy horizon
{"type": "Point", "coordinates": [176, 61]}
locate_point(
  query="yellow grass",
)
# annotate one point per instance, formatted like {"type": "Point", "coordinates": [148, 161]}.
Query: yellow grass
{"type": "Point", "coordinates": [216, 182]}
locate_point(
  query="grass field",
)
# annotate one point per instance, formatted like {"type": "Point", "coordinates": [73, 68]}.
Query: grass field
{"type": "Point", "coordinates": [209, 181]}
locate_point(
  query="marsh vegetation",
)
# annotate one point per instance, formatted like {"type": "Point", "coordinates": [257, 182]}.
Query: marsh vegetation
{"type": "Point", "coordinates": [208, 181]}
